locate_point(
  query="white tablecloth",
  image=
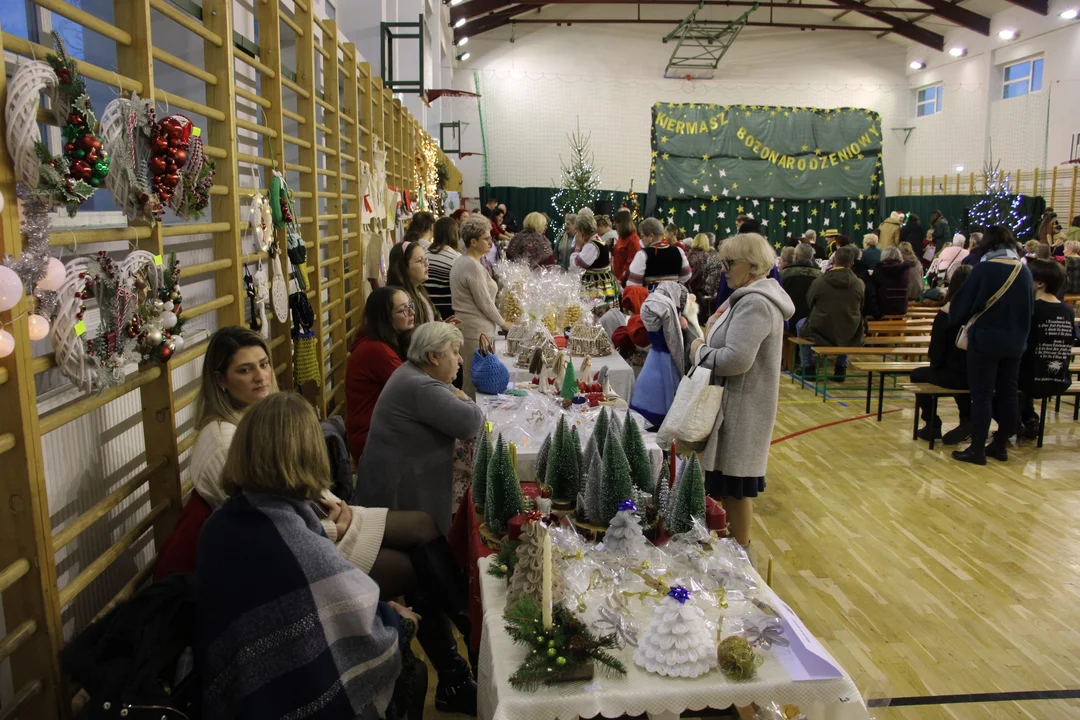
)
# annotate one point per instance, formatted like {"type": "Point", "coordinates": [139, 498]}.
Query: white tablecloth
{"type": "Point", "coordinates": [620, 374]}
{"type": "Point", "coordinates": [639, 691]}
{"type": "Point", "coordinates": [507, 420]}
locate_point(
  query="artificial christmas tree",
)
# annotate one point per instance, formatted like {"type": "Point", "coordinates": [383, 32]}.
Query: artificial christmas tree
{"type": "Point", "coordinates": [579, 461]}
{"type": "Point", "coordinates": [580, 184]}
{"type": "Point", "coordinates": [528, 577]}
{"type": "Point", "coordinates": [636, 455]}
{"type": "Point", "coordinates": [615, 485]}
{"type": "Point", "coordinates": [593, 473]}
{"type": "Point", "coordinates": [677, 642]}
{"type": "Point", "coordinates": [662, 491]}
{"type": "Point", "coordinates": [561, 472]}
{"type": "Point", "coordinates": [480, 467]}
{"type": "Point", "coordinates": [1000, 206]}
{"type": "Point", "coordinates": [625, 535]}
{"type": "Point", "coordinates": [689, 500]}
{"type": "Point", "coordinates": [504, 499]}
{"type": "Point", "coordinates": [600, 430]}
{"type": "Point", "coordinates": [569, 383]}
{"type": "Point", "coordinates": [673, 493]}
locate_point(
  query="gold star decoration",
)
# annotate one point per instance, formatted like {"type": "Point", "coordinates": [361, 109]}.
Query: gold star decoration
{"type": "Point", "coordinates": [734, 186]}
{"type": "Point", "coordinates": [654, 153]}
{"type": "Point", "coordinates": [694, 181]}
{"type": "Point", "coordinates": [663, 139]}
{"type": "Point", "coordinates": [653, 167]}
{"type": "Point", "coordinates": [805, 148]}
{"type": "Point", "coordinates": [705, 157]}
{"type": "Point", "coordinates": [714, 198]}
{"type": "Point", "coordinates": [847, 167]}
{"type": "Point", "coordinates": [703, 206]}
{"type": "Point", "coordinates": [813, 211]}
{"type": "Point", "coordinates": [652, 181]}
{"type": "Point", "coordinates": [833, 204]}
{"type": "Point", "coordinates": [739, 209]}
{"type": "Point", "coordinates": [785, 113]}
{"type": "Point", "coordinates": [783, 223]}
{"type": "Point", "coordinates": [771, 206]}
{"type": "Point", "coordinates": [666, 156]}
{"type": "Point", "coordinates": [682, 230]}
{"type": "Point", "coordinates": [858, 211]}
{"type": "Point", "coordinates": [857, 226]}
{"type": "Point", "coordinates": [860, 196]}
{"type": "Point", "coordinates": [817, 151]}
{"type": "Point", "coordinates": [776, 244]}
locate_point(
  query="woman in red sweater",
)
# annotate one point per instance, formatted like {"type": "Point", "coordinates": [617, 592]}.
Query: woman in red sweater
{"type": "Point", "coordinates": [378, 349]}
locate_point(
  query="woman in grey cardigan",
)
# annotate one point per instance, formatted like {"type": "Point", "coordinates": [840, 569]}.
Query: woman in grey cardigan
{"type": "Point", "coordinates": [742, 348]}
{"type": "Point", "coordinates": [408, 460]}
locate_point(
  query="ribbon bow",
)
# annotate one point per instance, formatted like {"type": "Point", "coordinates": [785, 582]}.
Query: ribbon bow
{"type": "Point", "coordinates": [628, 504]}
{"type": "Point", "coordinates": [680, 593]}
{"type": "Point", "coordinates": [612, 622]}
{"type": "Point", "coordinates": [534, 516]}
{"type": "Point", "coordinates": [766, 635]}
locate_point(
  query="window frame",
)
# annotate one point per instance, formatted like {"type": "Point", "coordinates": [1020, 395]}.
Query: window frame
{"type": "Point", "coordinates": [1026, 81]}
{"type": "Point", "coordinates": [936, 104]}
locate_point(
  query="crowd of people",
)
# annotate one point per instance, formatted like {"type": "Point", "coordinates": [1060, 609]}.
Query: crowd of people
{"type": "Point", "coordinates": [345, 546]}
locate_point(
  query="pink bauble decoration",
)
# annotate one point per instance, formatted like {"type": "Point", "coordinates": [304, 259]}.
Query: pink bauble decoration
{"type": "Point", "coordinates": [38, 327]}
{"type": "Point", "coordinates": [54, 276]}
{"type": "Point", "coordinates": [7, 343]}
{"type": "Point", "coordinates": [11, 288]}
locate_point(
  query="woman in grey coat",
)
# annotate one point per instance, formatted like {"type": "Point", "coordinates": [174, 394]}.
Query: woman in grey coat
{"type": "Point", "coordinates": [742, 349]}
{"type": "Point", "coordinates": [408, 459]}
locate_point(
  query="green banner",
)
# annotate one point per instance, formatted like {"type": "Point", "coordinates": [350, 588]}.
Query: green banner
{"type": "Point", "coordinates": [723, 151]}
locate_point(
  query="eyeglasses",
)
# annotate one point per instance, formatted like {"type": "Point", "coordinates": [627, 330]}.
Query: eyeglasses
{"type": "Point", "coordinates": [406, 310]}
{"type": "Point", "coordinates": [421, 261]}
{"type": "Point", "coordinates": [725, 264]}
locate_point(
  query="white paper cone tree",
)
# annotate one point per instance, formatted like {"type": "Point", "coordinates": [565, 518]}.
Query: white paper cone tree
{"type": "Point", "coordinates": [625, 536]}
{"type": "Point", "coordinates": [677, 642]}
{"type": "Point", "coordinates": [528, 577]}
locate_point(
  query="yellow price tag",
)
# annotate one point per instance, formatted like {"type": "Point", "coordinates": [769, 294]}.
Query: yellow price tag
{"type": "Point", "coordinates": [489, 427]}
{"type": "Point", "coordinates": [80, 328]}
{"type": "Point", "coordinates": [158, 260]}
{"type": "Point", "coordinates": [196, 131]}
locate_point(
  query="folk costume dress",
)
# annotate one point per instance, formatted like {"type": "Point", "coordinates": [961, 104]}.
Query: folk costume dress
{"type": "Point", "coordinates": [599, 281]}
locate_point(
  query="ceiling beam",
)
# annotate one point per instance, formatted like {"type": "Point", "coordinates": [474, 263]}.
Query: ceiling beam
{"type": "Point", "coordinates": [476, 8]}
{"type": "Point", "coordinates": [907, 29]}
{"type": "Point", "coordinates": [1036, 6]}
{"type": "Point", "coordinates": [489, 22]}
{"type": "Point", "coordinates": [670, 21]}
{"type": "Point", "coordinates": [961, 16]}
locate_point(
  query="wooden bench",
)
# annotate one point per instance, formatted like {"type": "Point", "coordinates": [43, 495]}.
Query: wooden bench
{"type": "Point", "coordinates": [934, 391]}
{"type": "Point", "coordinates": [795, 341]}
{"type": "Point", "coordinates": [897, 340]}
{"type": "Point", "coordinates": [1074, 389]}
{"type": "Point", "coordinates": [883, 369]}
{"type": "Point", "coordinates": [899, 328]}
{"type": "Point", "coordinates": [823, 352]}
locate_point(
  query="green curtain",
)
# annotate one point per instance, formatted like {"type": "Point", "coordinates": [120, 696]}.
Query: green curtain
{"type": "Point", "coordinates": [955, 207]}
{"type": "Point", "coordinates": [522, 201]}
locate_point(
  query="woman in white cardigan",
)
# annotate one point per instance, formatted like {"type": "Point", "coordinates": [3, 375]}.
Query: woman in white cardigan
{"type": "Point", "coordinates": [473, 292]}
{"type": "Point", "coordinates": [403, 551]}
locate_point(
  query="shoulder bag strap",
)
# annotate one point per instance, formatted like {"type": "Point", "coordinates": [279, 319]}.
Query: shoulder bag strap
{"type": "Point", "coordinates": [997, 296]}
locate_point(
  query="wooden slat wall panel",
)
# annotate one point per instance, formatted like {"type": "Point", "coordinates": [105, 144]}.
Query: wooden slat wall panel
{"type": "Point", "coordinates": [340, 112]}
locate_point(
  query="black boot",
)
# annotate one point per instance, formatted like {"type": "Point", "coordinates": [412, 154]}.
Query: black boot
{"type": "Point", "coordinates": [998, 448]}
{"type": "Point", "coordinates": [839, 374]}
{"type": "Point", "coordinates": [958, 434]}
{"type": "Point", "coordinates": [975, 454]}
{"type": "Point", "coordinates": [443, 581]}
{"type": "Point", "coordinates": [931, 429]}
{"type": "Point", "coordinates": [456, 691]}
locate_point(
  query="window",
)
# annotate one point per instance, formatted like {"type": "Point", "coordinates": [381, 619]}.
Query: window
{"type": "Point", "coordinates": [331, 11]}
{"type": "Point", "coordinates": [1022, 78]}
{"type": "Point", "coordinates": [928, 100]}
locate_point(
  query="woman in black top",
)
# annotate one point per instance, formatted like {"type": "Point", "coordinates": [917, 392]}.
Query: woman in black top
{"type": "Point", "coordinates": [948, 368]}
{"type": "Point", "coordinates": [1044, 369]}
{"type": "Point", "coordinates": [996, 341]}
{"type": "Point", "coordinates": [912, 231]}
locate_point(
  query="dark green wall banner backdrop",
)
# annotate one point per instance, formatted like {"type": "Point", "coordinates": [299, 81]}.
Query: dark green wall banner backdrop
{"type": "Point", "coordinates": [700, 151]}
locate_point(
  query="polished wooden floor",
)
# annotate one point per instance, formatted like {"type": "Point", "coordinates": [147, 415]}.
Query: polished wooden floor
{"type": "Point", "coordinates": [922, 576]}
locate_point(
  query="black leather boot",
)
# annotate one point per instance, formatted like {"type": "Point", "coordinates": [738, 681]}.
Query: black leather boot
{"type": "Point", "coordinates": [443, 581]}
{"type": "Point", "coordinates": [974, 454]}
{"type": "Point", "coordinates": [456, 691]}
{"type": "Point", "coordinates": [998, 448]}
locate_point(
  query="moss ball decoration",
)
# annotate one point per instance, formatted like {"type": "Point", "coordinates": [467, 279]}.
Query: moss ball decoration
{"type": "Point", "coordinates": [737, 658]}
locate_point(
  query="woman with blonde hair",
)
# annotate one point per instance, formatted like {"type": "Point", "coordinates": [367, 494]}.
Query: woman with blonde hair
{"type": "Point", "coordinates": [530, 245]}
{"type": "Point", "coordinates": [742, 349]}
{"type": "Point", "coordinates": [265, 565]}
{"type": "Point", "coordinates": [871, 253]}
{"type": "Point", "coordinates": [473, 291]}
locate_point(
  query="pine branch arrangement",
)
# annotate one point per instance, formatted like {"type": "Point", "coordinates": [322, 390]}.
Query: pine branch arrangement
{"type": "Point", "coordinates": [502, 566]}
{"type": "Point", "coordinates": [557, 652]}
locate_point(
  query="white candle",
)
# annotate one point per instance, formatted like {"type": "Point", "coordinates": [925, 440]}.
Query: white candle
{"type": "Point", "coordinates": [545, 603]}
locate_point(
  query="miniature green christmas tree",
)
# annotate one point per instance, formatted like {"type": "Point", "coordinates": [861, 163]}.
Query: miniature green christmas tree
{"type": "Point", "coordinates": [662, 490]}
{"type": "Point", "coordinates": [528, 577]}
{"type": "Point", "coordinates": [579, 461]}
{"type": "Point", "coordinates": [561, 472]}
{"type": "Point", "coordinates": [569, 383]}
{"type": "Point", "coordinates": [480, 466]}
{"type": "Point", "coordinates": [542, 459]}
{"type": "Point", "coordinates": [504, 499]}
{"type": "Point", "coordinates": [600, 430]}
{"type": "Point", "coordinates": [615, 484]}
{"type": "Point", "coordinates": [673, 492]}
{"type": "Point", "coordinates": [593, 473]}
{"type": "Point", "coordinates": [636, 455]}
{"type": "Point", "coordinates": [690, 498]}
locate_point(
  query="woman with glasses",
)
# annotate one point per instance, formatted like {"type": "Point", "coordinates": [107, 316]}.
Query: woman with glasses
{"type": "Point", "coordinates": [378, 348]}
{"type": "Point", "coordinates": [473, 291]}
{"type": "Point", "coordinates": [408, 270]}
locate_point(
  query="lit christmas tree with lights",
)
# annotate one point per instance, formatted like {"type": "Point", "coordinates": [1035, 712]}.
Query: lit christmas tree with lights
{"type": "Point", "coordinates": [1000, 206]}
{"type": "Point", "coordinates": [580, 184]}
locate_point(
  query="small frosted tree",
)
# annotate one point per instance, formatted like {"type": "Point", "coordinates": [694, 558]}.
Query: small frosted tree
{"type": "Point", "coordinates": [579, 461]}
{"type": "Point", "coordinates": [593, 482]}
{"type": "Point", "coordinates": [480, 465]}
{"type": "Point", "coordinates": [690, 498]}
{"type": "Point", "coordinates": [600, 430]}
{"type": "Point", "coordinates": [561, 472]}
{"type": "Point", "coordinates": [637, 455]}
{"type": "Point", "coordinates": [615, 484]}
{"type": "Point", "coordinates": [542, 459]}
{"type": "Point", "coordinates": [662, 490]}
{"type": "Point", "coordinates": [504, 499]}
{"type": "Point", "coordinates": [569, 383]}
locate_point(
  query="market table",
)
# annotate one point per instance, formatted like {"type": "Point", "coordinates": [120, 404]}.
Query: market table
{"type": "Point", "coordinates": [620, 374]}
{"type": "Point", "coordinates": [639, 691]}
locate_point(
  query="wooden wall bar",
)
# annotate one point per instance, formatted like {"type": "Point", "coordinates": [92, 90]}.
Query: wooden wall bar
{"type": "Point", "coordinates": [341, 111]}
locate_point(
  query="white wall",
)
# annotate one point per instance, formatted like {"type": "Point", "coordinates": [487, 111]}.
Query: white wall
{"type": "Point", "coordinates": [606, 77]}
{"type": "Point", "coordinates": [1027, 132]}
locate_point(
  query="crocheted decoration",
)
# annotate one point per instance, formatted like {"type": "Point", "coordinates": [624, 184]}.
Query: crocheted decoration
{"type": "Point", "coordinates": [68, 179]}
{"type": "Point", "coordinates": [306, 359]}
{"type": "Point", "coordinates": [126, 129]}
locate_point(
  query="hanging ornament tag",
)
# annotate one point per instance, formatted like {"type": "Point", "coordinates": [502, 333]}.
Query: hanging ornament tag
{"type": "Point", "coordinates": [489, 426]}
{"type": "Point", "coordinates": [158, 260]}
{"type": "Point", "coordinates": [196, 131]}
{"type": "Point", "coordinates": [80, 328]}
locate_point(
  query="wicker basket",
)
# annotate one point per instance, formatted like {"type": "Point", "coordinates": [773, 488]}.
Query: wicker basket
{"type": "Point", "coordinates": [32, 77]}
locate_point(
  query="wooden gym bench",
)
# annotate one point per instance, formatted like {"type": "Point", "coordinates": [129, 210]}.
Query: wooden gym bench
{"type": "Point", "coordinates": [883, 369]}
{"type": "Point", "coordinates": [934, 391]}
{"type": "Point", "coordinates": [822, 353]}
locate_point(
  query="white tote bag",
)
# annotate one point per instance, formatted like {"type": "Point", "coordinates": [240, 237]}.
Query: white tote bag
{"type": "Point", "coordinates": [695, 411]}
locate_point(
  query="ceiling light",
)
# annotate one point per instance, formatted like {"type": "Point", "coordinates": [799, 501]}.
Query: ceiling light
{"type": "Point", "coordinates": [455, 2]}
{"type": "Point", "coordinates": [1007, 34]}
{"type": "Point", "coordinates": [462, 41]}
{"type": "Point", "coordinates": [459, 23]}
{"type": "Point", "coordinates": [916, 65]}
{"type": "Point", "coordinates": [959, 168]}
{"type": "Point", "coordinates": [464, 56]}
{"type": "Point", "coordinates": [1069, 14]}
{"type": "Point", "coordinates": [958, 51]}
